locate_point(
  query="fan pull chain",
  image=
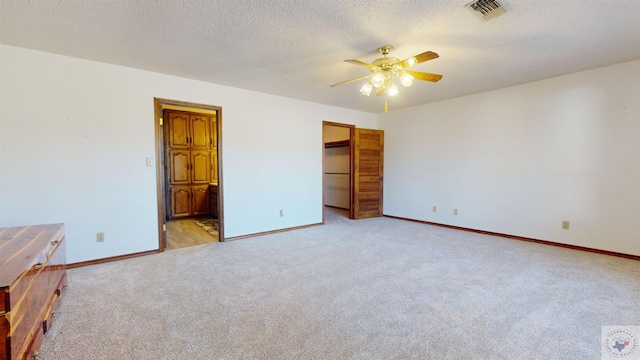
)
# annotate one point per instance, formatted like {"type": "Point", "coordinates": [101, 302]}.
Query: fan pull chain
{"type": "Point", "coordinates": [386, 108]}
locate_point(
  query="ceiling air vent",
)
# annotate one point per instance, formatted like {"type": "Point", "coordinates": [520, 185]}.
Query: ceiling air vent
{"type": "Point", "coordinates": [486, 9]}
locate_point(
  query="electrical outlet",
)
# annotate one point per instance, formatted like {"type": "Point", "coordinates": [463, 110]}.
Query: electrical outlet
{"type": "Point", "coordinates": [435, 209]}
{"type": "Point", "coordinates": [565, 225]}
{"type": "Point", "coordinates": [281, 212]}
{"type": "Point", "coordinates": [455, 211]}
{"type": "Point", "coordinates": [100, 237]}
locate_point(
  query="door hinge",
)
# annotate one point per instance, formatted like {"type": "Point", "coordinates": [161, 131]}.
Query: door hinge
{"type": "Point", "coordinates": [164, 227]}
{"type": "Point", "coordinates": [381, 178]}
{"type": "Point", "coordinates": [161, 122]}
{"type": "Point", "coordinates": [353, 206]}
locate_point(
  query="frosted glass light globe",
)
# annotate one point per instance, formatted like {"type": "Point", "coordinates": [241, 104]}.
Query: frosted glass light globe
{"type": "Point", "coordinates": [377, 80]}
{"type": "Point", "coordinates": [366, 89]}
{"type": "Point", "coordinates": [392, 90]}
{"type": "Point", "coordinates": [406, 80]}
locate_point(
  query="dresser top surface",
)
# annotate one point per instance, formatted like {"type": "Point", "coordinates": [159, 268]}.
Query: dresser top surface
{"type": "Point", "coordinates": [20, 247]}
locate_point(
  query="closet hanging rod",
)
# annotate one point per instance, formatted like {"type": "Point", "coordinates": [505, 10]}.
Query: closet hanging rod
{"type": "Point", "coordinates": [333, 144]}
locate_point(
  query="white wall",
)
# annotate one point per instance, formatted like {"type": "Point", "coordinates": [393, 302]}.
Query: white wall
{"type": "Point", "coordinates": [520, 160]}
{"type": "Point", "coordinates": [74, 135]}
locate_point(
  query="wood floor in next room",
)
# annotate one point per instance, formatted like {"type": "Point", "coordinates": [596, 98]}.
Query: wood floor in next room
{"type": "Point", "coordinates": [185, 232]}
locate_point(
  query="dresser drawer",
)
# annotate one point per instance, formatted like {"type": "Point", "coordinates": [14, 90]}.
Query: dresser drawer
{"type": "Point", "coordinates": [25, 280]}
{"type": "Point", "coordinates": [22, 248]}
{"type": "Point", "coordinates": [29, 311]}
{"type": "Point", "coordinates": [32, 273]}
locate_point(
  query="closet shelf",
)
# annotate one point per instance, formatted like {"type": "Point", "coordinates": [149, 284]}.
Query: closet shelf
{"type": "Point", "coordinates": [333, 144]}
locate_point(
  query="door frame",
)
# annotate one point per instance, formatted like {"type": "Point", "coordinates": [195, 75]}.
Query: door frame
{"type": "Point", "coordinates": [351, 165]}
{"type": "Point", "coordinates": [158, 106]}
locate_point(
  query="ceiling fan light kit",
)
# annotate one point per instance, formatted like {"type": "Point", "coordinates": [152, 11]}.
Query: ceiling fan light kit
{"type": "Point", "coordinates": [384, 70]}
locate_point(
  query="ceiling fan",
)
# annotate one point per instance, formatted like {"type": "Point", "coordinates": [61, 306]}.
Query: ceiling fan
{"type": "Point", "coordinates": [384, 69]}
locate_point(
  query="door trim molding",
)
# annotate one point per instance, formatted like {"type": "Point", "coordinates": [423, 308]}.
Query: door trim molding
{"type": "Point", "coordinates": [158, 106]}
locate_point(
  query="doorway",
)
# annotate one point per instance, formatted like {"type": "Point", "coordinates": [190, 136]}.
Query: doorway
{"type": "Point", "coordinates": [337, 168]}
{"type": "Point", "coordinates": [353, 170]}
{"type": "Point", "coordinates": [189, 173]}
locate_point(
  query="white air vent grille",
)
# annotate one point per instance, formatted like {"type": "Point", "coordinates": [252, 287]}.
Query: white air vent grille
{"type": "Point", "coordinates": [486, 9]}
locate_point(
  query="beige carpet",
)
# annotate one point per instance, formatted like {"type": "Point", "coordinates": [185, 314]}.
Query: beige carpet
{"type": "Point", "coordinates": [366, 289]}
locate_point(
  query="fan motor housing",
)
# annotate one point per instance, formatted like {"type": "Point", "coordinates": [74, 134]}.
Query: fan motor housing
{"type": "Point", "coordinates": [386, 62]}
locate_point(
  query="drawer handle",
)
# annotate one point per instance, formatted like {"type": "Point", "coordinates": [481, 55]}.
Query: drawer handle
{"type": "Point", "coordinates": [55, 242]}
{"type": "Point", "coordinates": [37, 266]}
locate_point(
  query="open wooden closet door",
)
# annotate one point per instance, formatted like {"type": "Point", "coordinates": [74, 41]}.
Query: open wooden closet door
{"type": "Point", "coordinates": [368, 154]}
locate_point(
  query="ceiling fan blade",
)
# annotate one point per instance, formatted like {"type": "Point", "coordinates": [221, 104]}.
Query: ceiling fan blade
{"type": "Point", "coordinates": [428, 55]}
{"type": "Point", "coordinates": [358, 62]}
{"type": "Point", "coordinates": [424, 76]}
{"type": "Point", "coordinates": [352, 80]}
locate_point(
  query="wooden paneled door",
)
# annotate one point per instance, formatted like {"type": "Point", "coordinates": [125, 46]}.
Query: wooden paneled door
{"type": "Point", "coordinates": [180, 201]}
{"type": "Point", "coordinates": [200, 200]}
{"type": "Point", "coordinates": [200, 166]}
{"type": "Point", "coordinates": [368, 154]}
{"type": "Point", "coordinates": [179, 129]}
{"type": "Point", "coordinates": [179, 167]}
{"type": "Point", "coordinates": [189, 167]}
{"type": "Point", "coordinates": [189, 200]}
{"type": "Point", "coordinates": [201, 136]}
{"type": "Point", "coordinates": [188, 131]}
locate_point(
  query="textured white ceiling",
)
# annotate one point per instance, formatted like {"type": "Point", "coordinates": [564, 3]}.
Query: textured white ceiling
{"type": "Point", "coordinates": [296, 48]}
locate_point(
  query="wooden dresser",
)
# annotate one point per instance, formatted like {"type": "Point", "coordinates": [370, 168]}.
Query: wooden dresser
{"type": "Point", "coordinates": [32, 275]}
